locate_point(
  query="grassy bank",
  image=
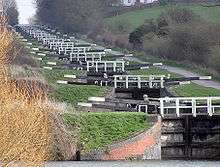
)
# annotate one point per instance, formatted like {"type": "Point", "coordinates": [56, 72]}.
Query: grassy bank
{"type": "Point", "coordinates": [136, 18]}
{"type": "Point", "coordinates": [98, 130]}
{"type": "Point", "coordinates": [71, 93]}
{"type": "Point", "coordinates": [185, 65]}
{"type": "Point", "coordinates": [194, 90]}
{"type": "Point", "coordinates": [58, 74]}
{"type": "Point", "coordinates": [152, 71]}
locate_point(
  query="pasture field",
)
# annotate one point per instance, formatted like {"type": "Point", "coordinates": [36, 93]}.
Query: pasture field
{"type": "Point", "coordinates": [194, 90]}
{"type": "Point", "coordinates": [136, 18]}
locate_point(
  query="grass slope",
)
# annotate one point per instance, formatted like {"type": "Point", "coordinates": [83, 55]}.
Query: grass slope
{"type": "Point", "coordinates": [151, 71]}
{"type": "Point", "coordinates": [195, 90]}
{"type": "Point", "coordinates": [58, 74]}
{"type": "Point", "coordinates": [135, 18]}
{"type": "Point", "coordinates": [98, 130]}
{"type": "Point", "coordinates": [77, 93]}
{"type": "Point", "coordinates": [138, 17]}
{"type": "Point", "coordinates": [71, 93]}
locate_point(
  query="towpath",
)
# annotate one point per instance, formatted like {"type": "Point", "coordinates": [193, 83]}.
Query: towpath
{"type": "Point", "coordinates": [185, 73]}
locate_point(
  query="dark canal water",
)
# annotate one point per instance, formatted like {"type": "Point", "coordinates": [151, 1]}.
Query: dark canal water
{"type": "Point", "coordinates": [137, 164]}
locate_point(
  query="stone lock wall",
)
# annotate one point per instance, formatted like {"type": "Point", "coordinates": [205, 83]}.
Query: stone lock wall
{"type": "Point", "coordinates": [143, 146]}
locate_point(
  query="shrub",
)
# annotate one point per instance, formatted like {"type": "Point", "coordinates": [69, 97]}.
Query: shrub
{"type": "Point", "coordinates": [187, 44]}
{"type": "Point", "coordinates": [120, 27]}
{"type": "Point", "coordinates": [177, 15]}
{"type": "Point", "coordinates": [136, 37]}
{"type": "Point", "coordinates": [214, 59]}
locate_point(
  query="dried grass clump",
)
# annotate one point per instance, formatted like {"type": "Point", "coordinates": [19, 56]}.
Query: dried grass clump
{"type": "Point", "coordinates": [25, 114]}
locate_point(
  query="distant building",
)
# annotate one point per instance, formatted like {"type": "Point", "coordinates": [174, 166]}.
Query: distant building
{"type": "Point", "coordinates": [133, 2]}
{"type": "Point", "coordinates": [148, 1]}
{"type": "Point", "coordinates": [128, 2]}
{"type": "Point", "coordinates": [1, 6]}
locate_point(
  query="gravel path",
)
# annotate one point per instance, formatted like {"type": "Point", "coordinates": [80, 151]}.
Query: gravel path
{"type": "Point", "coordinates": [185, 73]}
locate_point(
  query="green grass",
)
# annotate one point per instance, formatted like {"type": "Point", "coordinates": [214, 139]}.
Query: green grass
{"type": "Point", "coordinates": [98, 130]}
{"type": "Point", "coordinates": [58, 74]}
{"type": "Point", "coordinates": [135, 18]}
{"type": "Point", "coordinates": [184, 65]}
{"type": "Point", "coordinates": [73, 94]}
{"type": "Point", "coordinates": [138, 17]}
{"type": "Point", "coordinates": [194, 90]}
{"type": "Point", "coordinates": [151, 71]}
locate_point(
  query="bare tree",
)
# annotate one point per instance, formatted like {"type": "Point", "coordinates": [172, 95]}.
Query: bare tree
{"type": "Point", "coordinates": [73, 15]}
{"type": "Point", "coordinates": [9, 8]}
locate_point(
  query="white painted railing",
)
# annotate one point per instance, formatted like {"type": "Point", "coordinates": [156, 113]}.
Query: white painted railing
{"type": "Point", "coordinates": [105, 66]}
{"type": "Point", "coordinates": [139, 81]}
{"type": "Point", "coordinates": [87, 56]}
{"type": "Point", "coordinates": [189, 105]}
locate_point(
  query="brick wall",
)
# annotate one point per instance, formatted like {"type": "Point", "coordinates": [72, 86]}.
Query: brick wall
{"type": "Point", "coordinates": [145, 145]}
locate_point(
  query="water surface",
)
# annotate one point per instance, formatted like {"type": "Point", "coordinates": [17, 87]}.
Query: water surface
{"type": "Point", "coordinates": [137, 164]}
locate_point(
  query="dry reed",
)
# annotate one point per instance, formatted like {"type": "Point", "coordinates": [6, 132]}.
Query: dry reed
{"type": "Point", "coordinates": [25, 124]}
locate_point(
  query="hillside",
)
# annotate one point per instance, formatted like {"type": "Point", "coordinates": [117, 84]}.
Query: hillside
{"type": "Point", "coordinates": [136, 18]}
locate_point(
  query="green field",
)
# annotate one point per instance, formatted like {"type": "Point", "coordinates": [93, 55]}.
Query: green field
{"type": "Point", "coordinates": [194, 90]}
{"type": "Point", "coordinates": [136, 18]}
{"type": "Point", "coordinates": [151, 71]}
{"type": "Point", "coordinates": [98, 130]}
{"type": "Point", "coordinates": [58, 74]}
{"type": "Point", "coordinates": [73, 94]}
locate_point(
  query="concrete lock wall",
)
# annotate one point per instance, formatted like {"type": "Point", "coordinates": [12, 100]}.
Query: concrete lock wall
{"type": "Point", "coordinates": [144, 146]}
{"type": "Point", "coordinates": [191, 137]}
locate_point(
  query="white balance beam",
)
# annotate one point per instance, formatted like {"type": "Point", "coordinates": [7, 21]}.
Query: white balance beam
{"type": "Point", "coordinates": [146, 67]}
{"type": "Point", "coordinates": [85, 105]}
{"type": "Point", "coordinates": [205, 77]}
{"type": "Point", "coordinates": [108, 50]}
{"type": "Point", "coordinates": [35, 49]}
{"type": "Point", "coordinates": [70, 76]}
{"type": "Point", "coordinates": [62, 82]}
{"type": "Point", "coordinates": [96, 99]}
{"type": "Point", "coordinates": [157, 64]}
{"type": "Point", "coordinates": [185, 83]}
{"type": "Point", "coordinates": [51, 63]}
{"type": "Point", "coordinates": [41, 54]}
{"type": "Point", "coordinates": [39, 59]}
{"type": "Point", "coordinates": [29, 43]}
{"type": "Point", "coordinates": [48, 68]}
{"type": "Point", "coordinates": [33, 53]}
{"type": "Point", "coordinates": [24, 40]}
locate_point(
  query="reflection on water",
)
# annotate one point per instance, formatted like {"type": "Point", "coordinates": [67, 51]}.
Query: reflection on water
{"type": "Point", "coordinates": [137, 164]}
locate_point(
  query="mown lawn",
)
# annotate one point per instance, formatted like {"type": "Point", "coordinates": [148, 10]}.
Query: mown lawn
{"type": "Point", "coordinates": [58, 74]}
{"type": "Point", "coordinates": [194, 90]}
{"type": "Point", "coordinates": [138, 17]}
{"type": "Point", "coordinates": [98, 130]}
{"type": "Point", "coordinates": [73, 94]}
{"type": "Point", "coordinates": [151, 71]}
{"type": "Point", "coordinates": [135, 18]}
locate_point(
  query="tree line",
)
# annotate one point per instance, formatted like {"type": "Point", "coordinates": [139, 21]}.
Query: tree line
{"type": "Point", "coordinates": [177, 34]}
{"type": "Point", "coordinates": [181, 35]}
{"type": "Point", "coordinates": [11, 12]}
{"type": "Point", "coordinates": [73, 15]}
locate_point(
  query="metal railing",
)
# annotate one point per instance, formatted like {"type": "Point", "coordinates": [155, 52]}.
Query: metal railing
{"type": "Point", "coordinates": [189, 105]}
{"type": "Point", "coordinates": [105, 66]}
{"type": "Point", "coordinates": [139, 81]}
